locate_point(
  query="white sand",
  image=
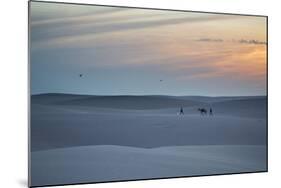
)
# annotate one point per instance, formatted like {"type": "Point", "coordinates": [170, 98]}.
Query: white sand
{"type": "Point", "coordinates": [67, 126]}
{"type": "Point", "coordinates": [77, 139]}
{"type": "Point", "coordinates": [109, 163]}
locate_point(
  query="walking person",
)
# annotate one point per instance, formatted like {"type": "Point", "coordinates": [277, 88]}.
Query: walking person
{"type": "Point", "coordinates": [211, 112]}
{"type": "Point", "coordinates": [181, 111]}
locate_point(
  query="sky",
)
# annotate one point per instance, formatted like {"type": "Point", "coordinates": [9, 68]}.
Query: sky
{"type": "Point", "coordinates": [128, 51]}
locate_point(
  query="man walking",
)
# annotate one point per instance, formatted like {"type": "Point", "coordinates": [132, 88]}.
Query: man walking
{"type": "Point", "coordinates": [211, 112]}
{"type": "Point", "coordinates": [181, 111]}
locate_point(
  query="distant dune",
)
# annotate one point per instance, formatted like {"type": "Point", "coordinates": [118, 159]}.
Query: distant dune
{"type": "Point", "coordinates": [251, 107]}
{"type": "Point", "coordinates": [120, 102]}
{"type": "Point", "coordinates": [211, 100]}
{"type": "Point", "coordinates": [150, 101]}
{"type": "Point", "coordinates": [53, 98]}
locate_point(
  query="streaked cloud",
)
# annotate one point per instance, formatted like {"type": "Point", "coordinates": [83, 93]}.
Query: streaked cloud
{"type": "Point", "coordinates": [210, 40]}
{"type": "Point", "coordinates": [202, 53]}
{"type": "Point", "coordinates": [74, 30]}
{"type": "Point", "coordinates": [243, 41]}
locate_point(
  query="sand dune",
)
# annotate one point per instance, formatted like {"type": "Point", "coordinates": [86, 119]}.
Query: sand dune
{"type": "Point", "coordinates": [211, 100]}
{"type": "Point", "coordinates": [244, 104]}
{"type": "Point", "coordinates": [253, 107]}
{"type": "Point", "coordinates": [82, 138]}
{"type": "Point", "coordinates": [109, 163]}
{"type": "Point", "coordinates": [56, 126]}
{"type": "Point", "coordinates": [120, 102]}
{"type": "Point", "coordinates": [53, 98]}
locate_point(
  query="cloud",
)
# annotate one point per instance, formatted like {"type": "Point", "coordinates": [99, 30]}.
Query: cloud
{"type": "Point", "coordinates": [86, 26]}
{"type": "Point", "coordinates": [243, 41]}
{"type": "Point", "coordinates": [210, 40]}
{"type": "Point", "coordinates": [76, 18]}
{"type": "Point", "coordinates": [45, 12]}
{"type": "Point", "coordinates": [112, 46]}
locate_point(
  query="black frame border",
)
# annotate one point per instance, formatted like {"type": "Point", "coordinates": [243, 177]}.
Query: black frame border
{"type": "Point", "coordinates": [144, 8]}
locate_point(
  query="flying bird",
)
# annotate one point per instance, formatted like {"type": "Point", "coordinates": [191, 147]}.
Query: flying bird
{"type": "Point", "coordinates": [161, 80]}
{"type": "Point", "coordinates": [80, 75]}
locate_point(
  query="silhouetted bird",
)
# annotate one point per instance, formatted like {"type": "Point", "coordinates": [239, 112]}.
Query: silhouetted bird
{"type": "Point", "coordinates": [161, 80]}
{"type": "Point", "coordinates": [80, 75]}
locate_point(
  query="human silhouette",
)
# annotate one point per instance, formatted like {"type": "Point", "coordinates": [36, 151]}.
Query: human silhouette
{"type": "Point", "coordinates": [181, 111]}
{"type": "Point", "coordinates": [211, 111]}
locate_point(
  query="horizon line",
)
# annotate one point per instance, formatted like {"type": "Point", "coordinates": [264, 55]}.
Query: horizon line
{"type": "Point", "coordinates": [135, 95]}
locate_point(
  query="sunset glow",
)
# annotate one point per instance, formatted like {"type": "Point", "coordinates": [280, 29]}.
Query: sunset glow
{"type": "Point", "coordinates": [127, 51]}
